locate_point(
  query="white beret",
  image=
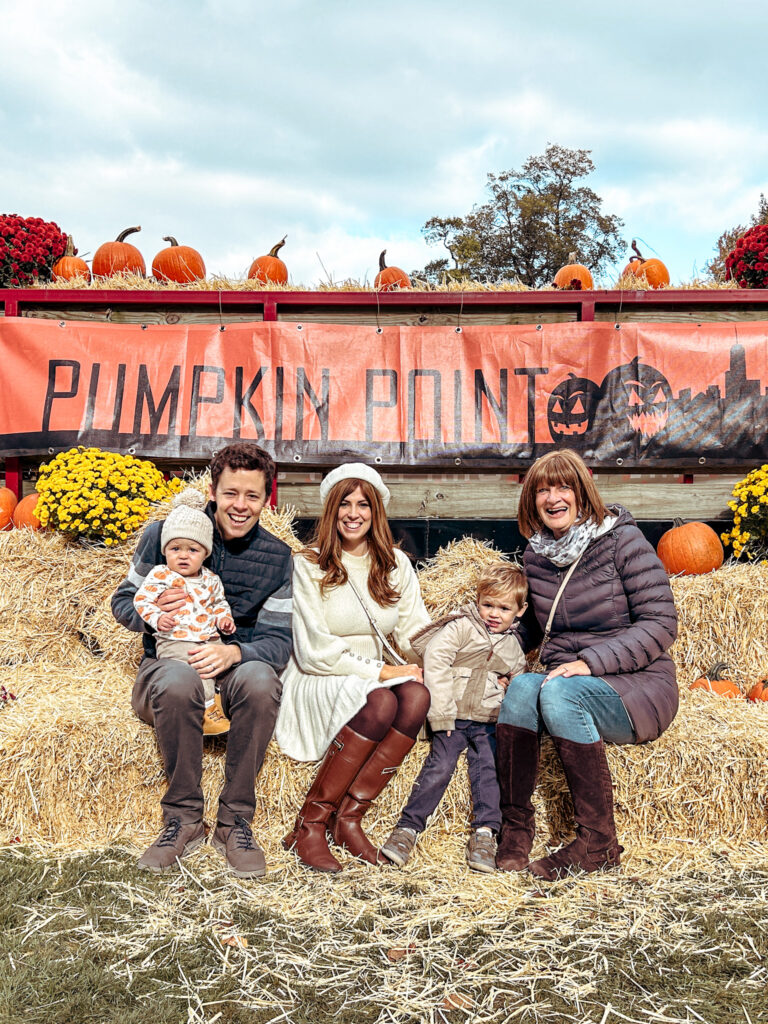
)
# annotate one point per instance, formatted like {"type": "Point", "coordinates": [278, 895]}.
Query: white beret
{"type": "Point", "coordinates": [354, 471]}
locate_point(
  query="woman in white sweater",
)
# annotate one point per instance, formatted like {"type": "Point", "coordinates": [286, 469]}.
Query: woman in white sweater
{"type": "Point", "coordinates": [351, 588]}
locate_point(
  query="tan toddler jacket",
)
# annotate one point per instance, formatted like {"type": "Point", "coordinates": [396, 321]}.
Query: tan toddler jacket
{"type": "Point", "coordinates": [462, 663]}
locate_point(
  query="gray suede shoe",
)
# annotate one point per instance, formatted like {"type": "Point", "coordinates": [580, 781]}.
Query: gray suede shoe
{"type": "Point", "coordinates": [175, 842]}
{"type": "Point", "coordinates": [481, 851]}
{"type": "Point", "coordinates": [399, 847]}
{"type": "Point", "coordinates": [243, 855]}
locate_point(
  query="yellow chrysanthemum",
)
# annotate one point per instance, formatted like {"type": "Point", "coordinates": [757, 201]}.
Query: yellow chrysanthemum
{"type": "Point", "coordinates": [85, 491]}
{"type": "Point", "coordinates": [749, 533]}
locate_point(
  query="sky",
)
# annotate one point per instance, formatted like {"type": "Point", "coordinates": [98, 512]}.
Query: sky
{"type": "Point", "coordinates": [345, 126]}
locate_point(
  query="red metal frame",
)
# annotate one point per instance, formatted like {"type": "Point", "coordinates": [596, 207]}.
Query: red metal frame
{"type": "Point", "coordinates": [270, 305]}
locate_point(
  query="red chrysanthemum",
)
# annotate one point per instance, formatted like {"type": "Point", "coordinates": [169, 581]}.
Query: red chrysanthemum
{"type": "Point", "coordinates": [29, 246]}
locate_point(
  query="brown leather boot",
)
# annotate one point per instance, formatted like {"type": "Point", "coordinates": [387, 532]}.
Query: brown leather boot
{"type": "Point", "coordinates": [347, 752]}
{"type": "Point", "coordinates": [589, 780]}
{"type": "Point", "coordinates": [374, 775]}
{"type": "Point", "coordinates": [517, 756]}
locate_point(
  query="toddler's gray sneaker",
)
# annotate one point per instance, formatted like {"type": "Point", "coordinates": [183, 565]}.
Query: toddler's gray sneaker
{"type": "Point", "coordinates": [399, 847]}
{"type": "Point", "coordinates": [481, 850]}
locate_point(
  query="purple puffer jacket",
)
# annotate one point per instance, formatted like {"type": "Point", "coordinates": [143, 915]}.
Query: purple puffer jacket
{"type": "Point", "coordinates": [618, 615]}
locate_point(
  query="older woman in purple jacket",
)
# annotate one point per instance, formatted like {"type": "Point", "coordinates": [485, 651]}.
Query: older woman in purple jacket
{"type": "Point", "coordinates": [608, 676]}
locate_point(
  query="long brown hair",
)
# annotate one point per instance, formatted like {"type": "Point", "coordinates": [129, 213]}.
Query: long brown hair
{"type": "Point", "coordinates": [560, 467]}
{"type": "Point", "coordinates": [325, 548]}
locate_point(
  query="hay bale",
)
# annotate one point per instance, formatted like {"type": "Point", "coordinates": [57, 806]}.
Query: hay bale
{"type": "Point", "coordinates": [77, 768]}
{"type": "Point", "coordinates": [723, 616]}
{"type": "Point", "coordinates": [280, 522]}
{"type": "Point", "coordinates": [105, 638]}
{"type": "Point", "coordinates": [449, 579]}
{"type": "Point", "coordinates": [50, 588]}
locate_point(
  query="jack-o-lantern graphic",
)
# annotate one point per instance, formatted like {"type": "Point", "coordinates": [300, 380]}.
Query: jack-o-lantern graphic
{"type": "Point", "coordinates": [571, 407]}
{"type": "Point", "coordinates": [639, 394]}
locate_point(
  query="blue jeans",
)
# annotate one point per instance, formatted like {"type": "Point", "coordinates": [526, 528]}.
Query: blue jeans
{"type": "Point", "coordinates": [479, 741]}
{"type": "Point", "coordinates": [581, 709]}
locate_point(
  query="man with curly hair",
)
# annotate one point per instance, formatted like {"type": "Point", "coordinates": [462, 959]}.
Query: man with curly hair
{"type": "Point", "coordinates": [255, 569]}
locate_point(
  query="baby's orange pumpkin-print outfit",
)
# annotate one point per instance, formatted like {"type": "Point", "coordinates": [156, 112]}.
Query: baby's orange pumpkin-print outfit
{"type": "Point", "coordinates": [206, 603]}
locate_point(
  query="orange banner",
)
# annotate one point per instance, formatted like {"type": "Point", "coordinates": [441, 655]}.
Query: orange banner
{"type": "Point", "coordinates": [633, 394]}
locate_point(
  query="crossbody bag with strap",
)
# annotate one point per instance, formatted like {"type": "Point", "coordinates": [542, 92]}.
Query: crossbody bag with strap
{"type": "Point", "coordinates": [386, 645]}
{"type": "Point", "coordinates": [537, 665]}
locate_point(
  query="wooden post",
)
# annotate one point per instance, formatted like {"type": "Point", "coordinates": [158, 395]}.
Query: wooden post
{"type": "Point", "coordinates": [13, 476]}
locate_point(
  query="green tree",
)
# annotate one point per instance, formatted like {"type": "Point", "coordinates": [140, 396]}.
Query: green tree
{"type": "Point", "coordinates": [534, 219]}
{"type": "Point", "coordinates": [727, 241]}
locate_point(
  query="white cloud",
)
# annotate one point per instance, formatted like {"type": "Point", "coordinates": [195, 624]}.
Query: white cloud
{"type": "Point", "coordinates": [69, 69]}
{"type": "Point", "coordinates": [230, 124]}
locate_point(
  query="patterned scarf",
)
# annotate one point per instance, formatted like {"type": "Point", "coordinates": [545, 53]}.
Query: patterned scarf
{"type": "Point", "coordinates": [566, 549]}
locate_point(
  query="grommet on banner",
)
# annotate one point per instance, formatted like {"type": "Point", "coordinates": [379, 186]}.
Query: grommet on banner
{"type": "Point", "coordinates": [297, 458]}
{"type": "Point", "coordinates": [702, 460]}
{"type": "Point", "coordinates": [457, 330]}
{"type": "Point", "coordinates": [619, 462]}
{"type": "Point", "coordinates": [617, 327]}
{"type": "Point", "coordinates": [538, 327]}
{"type": "Point", "coordinates": [62, 323]}
{"type": "Point", "coordinates": [51, 451]}
{"type": "Point", "coordinates": [143, 327]}
{"type": "Point", "coordinates": [457, 462]}
{"type": "Point", "coordinates": [299, 327]}
{"type": "Point", "coordinates": [379, 330]}
{"type": "Point", "coordinates": [131, 451]}
{"type": "Point", "coordinates": [461, 310]}
{"type": "Point", "coordinates": [222, 327]}
{"type": "Point", "coordinates": [378, 460]}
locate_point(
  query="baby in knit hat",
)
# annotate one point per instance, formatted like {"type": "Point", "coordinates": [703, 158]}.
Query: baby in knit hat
{"type": "Point", "coordinates": [186, 541]}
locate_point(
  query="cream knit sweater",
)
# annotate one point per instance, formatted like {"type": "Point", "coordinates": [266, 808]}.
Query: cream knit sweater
{"type": "Point", "coordinates": [337, 657]}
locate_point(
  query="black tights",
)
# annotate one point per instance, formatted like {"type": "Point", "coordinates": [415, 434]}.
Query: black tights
{"type": "Point", "coordinates": [403, 707]}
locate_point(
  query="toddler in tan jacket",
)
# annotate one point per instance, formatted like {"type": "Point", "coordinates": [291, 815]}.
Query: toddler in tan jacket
{"type": "Point", "coordinates": [469, 657]}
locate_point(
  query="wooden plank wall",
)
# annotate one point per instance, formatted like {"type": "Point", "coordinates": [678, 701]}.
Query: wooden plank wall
{"type": "Point", "coordinates": [650, 497]}
{"type": "Point", "coordinates": [495, 496]}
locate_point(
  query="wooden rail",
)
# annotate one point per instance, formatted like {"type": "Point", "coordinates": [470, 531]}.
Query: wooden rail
{"type": "Point", "coordinates": [406, 307]}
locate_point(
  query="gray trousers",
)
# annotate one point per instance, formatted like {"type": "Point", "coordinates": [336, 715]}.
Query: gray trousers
{"type": "Point", "coordinates": [169, 695]}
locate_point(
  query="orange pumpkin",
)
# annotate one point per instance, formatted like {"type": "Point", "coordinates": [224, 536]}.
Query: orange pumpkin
{"type": "Point", "coordinates": [70, 266]}
{"type": "Point", "coordinates": [390, 278]}
{"type": "Point", "coordinates": [573, 276]}
{"type": "Point", "coordinates": [270, 269]}
{"type": "Point", "coordinates": [689, 549]}
{"type": "Point", "coordinates": [713, 682]}
{"type": "Point", "coordinates": [653, 270]}
{"type": "Point", "coordinates": [759, 691]}
{"type": "Point", "coordinates": [24, 513]}
{"type": "Point", "coordinates": [118, 257]}
{"type": "Point", "coordinates": [178, 263]}
{"type": "Point", "coordinates": [8, 502]}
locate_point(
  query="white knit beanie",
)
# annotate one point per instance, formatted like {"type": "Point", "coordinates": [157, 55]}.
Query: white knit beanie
{"type": "Point", "coordinates": [354, 471]}
{"type": "Point", "coordinates": [188, 521]}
